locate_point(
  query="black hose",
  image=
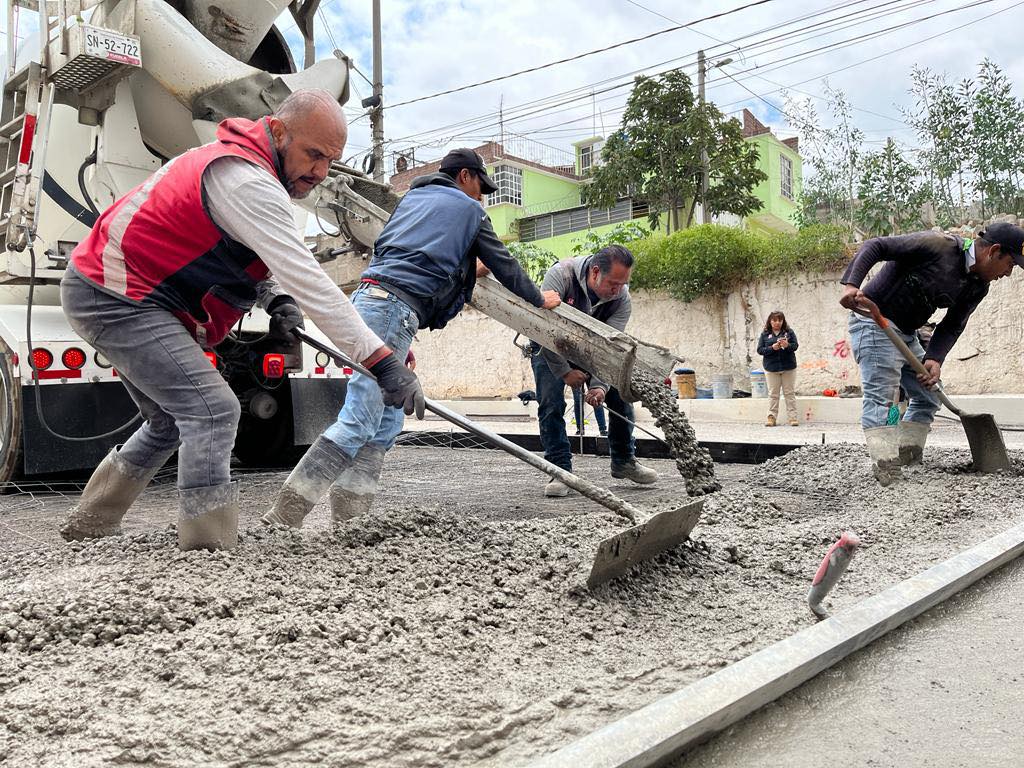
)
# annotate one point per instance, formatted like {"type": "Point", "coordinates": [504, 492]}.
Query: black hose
{"type": "Point", "coordinates": [89, 160]}
{"type": "Point", "coordinates": [35, 370]}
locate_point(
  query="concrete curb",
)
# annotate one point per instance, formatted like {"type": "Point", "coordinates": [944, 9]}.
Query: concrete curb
{"type": "Point", "coordinates": [663, 730]}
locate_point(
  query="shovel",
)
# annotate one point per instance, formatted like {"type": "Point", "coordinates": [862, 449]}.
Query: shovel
{"type": "Point", "coordinates": [986, 441]}
{"type": "Point", "coordinates": [616, 554]}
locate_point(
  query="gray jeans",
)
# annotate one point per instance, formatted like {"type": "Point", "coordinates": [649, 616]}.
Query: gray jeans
{"type": "Point", "coordinates": [183, 398]}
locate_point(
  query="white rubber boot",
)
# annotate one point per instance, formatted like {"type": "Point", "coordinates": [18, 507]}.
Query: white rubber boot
{"type": "Point", "coordinates": [353, 493]}
{"type": "Point", "coordinates": [322, 464]}
{"type": "Point", "coordinates": [113, 487]}
{"type": "Point", "coordinates": [208, 517]}
{"type": "Point", "coordinates": [912, 437]}
{"type": "Point", "coordinates": [884, 450]}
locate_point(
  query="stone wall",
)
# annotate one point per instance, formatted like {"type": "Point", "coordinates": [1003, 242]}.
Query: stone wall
{"type": "Point", "coordinates": [475, 357]}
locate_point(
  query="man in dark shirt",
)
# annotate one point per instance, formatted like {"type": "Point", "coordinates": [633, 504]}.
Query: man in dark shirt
{"type": "Point", "coordinates": [424, 267]}
{"type": "Point", "coordinates": [921, 273]}
{"type": "Point", "coordinates": [599, 286]}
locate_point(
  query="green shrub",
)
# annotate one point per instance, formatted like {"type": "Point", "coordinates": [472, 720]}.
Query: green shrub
{"type": "Point", "coordinates": [534, 260]}
{"type": "Point", "coordinates": [712, 260]}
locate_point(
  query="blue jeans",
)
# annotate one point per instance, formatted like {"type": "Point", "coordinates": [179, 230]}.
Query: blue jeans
{"type": "Point", "coordinates": [363, 418]}
{"type": "Point", "coordinates": [183, 398]}
{"type": "Point", "coordinates": [579, 406]}
{"type": "Point", "coordinates": [883, 370]}
{"type": "Point", "coordinates": [551, 415]}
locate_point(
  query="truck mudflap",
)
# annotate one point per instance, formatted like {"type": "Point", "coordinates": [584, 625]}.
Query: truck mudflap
{"type": "Point", "coordinates": [81, 410]}
{"type": "Point", "coordinates": [315, 406]}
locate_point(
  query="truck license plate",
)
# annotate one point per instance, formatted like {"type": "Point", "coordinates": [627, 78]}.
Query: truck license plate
{"type": "Point", "coordinates": [104, 44]}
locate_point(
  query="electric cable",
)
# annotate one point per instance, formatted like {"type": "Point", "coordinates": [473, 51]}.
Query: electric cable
{"type": "Point", "coordinates": [577, 56]}
{"type": "Point", "coordinates": [796, 58]}
{"type": "Point", "coordinates": [586, 91]}
{"type": "Point", "coordinates": [35, 369]}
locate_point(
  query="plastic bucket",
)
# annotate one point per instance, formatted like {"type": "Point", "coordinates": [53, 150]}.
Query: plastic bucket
{"type": "Point", "coordinates": [721, 386]}
{"type": "Point", "coordinates": [704, 394]}
{"type": "Point", "coordinates": [758, 384]}
{"type": "Point", "coordinates": [686, 383]}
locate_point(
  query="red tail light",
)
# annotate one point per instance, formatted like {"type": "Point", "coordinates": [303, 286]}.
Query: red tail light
{"type": "Point", "coordinates": [273, 366]}
{"type": "Point", "coordinates": [73, 358]}
{"type": "Point", "coordinates": [212, 357]}
{"type": "Point", "coordinates": [41, 358]}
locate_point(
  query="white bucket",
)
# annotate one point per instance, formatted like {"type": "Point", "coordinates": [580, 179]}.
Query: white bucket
{"type": "Point", "coordinates": [721, 386]}
{"type": "Point", "coordinates": [758, 384]}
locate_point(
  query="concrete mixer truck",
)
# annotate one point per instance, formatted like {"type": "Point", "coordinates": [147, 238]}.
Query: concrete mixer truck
{"type": "Point", "coordinates": [97, 95]}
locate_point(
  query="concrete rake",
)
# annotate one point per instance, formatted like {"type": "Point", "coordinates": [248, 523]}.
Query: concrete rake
{"type": "Point", "coordinates": [615, 555]}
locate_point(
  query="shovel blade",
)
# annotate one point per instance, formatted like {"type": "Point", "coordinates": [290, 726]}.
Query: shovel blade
{"type": "Point", "coordinates": [987, 447]}
{"type": "Point", "coordinates": [662, 532]}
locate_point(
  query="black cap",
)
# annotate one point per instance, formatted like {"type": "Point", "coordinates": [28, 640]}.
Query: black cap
{"type": "Point", "coordinates": [458, 159]}
{"type": "Point", "coordinates": [1009, 237]}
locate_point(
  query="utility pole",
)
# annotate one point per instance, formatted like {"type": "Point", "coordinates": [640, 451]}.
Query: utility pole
{"type": "Point", "coordinates": [705, 162]}
{"type": "Point", "coordinates": [377, 113]}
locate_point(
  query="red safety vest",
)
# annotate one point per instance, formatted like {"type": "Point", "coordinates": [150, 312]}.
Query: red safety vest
{"type": "Point", "coordinates": [158, 244]}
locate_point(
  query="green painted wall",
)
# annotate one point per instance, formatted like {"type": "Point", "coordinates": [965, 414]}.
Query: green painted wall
{"type": "Point", "coordinates": [542, 193]}
{"type": "Point", "coordinates": [778, 211]}
{"type": "Point", "coordinates": [561, 245]}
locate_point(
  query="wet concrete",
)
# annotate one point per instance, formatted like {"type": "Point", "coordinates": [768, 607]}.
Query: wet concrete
{"type": "Point", "coordinates": [692, 460]}
{"type": "Point", "coordinates": [945, 690]}
{"type": "Point", "coordinates": [449, 626]}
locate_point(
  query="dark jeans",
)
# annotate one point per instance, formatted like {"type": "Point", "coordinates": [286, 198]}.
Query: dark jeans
{"type": "Point", "coordinates": [551, 415]}
{"type": "Point", "coordinates": [580, 406]}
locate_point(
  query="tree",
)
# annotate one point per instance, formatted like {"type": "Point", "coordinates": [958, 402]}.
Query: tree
{"type": "Point", "coordinates": [941, 117]}
{"type": "Point", "coordinates": [656, 155]}
{"type": "Point", "coordinates": [833, 155]}
{"type": "Point", "coordinates": [890, 193]}
{"type": "Point", "coordinates": [998, 154]}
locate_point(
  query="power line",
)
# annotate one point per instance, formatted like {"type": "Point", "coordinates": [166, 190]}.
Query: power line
{"type": "Point", "coordinates": [587, 91]}
{"type": "Point", "coordinates": [820, 51]}
{"type": "Point", "coordinates": [578, 56]}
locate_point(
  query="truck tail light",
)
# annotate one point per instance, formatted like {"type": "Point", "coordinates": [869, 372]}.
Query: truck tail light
{"type": "Point", "coordinates": [41, 358]}
{"type": "Point", "coordinates": [273, 365]}
{"type": "Point", "coordinates": [73, 358]}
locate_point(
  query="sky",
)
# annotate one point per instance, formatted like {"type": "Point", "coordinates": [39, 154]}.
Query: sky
{"type": "Point", "coordinates": [431, 46]}
{"type": "Point", "coordinates": [435, 45]}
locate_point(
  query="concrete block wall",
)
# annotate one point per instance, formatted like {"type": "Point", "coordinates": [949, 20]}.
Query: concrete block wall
{"type": "Point", "coordinates": [475, 357]}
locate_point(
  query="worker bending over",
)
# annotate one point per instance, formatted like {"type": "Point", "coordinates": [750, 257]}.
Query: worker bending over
{"type": "Point", "coordinates": [921, 273]}
{"type": "Point", "coordinates": [424, 268]}
{"type": "Point", "coordinates": [599, 286]}
{"type": "Point", "coordinates": [168, 270]}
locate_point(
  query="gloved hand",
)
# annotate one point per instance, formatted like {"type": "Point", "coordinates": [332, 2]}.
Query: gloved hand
{"type": "Point", "coordinates": [399, 385]}
{"type": "Point", "coordinates": [285, 317]}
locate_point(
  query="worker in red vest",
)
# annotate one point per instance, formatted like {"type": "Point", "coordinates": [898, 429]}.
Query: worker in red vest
{"type": "Point", "coordinates": [165, 273]}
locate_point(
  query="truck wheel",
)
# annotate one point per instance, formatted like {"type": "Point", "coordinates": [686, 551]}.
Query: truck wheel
{"type": "Point", "coordinates": [10, 418]}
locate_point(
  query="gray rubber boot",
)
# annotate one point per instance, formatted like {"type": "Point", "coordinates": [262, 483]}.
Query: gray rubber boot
{"type": "Point", "coordinates": [884, 450]}
{"type": "Point", "coordinates": [113, 487]}
{"type": "Point", "coordinates": [912, 437]}
{"type": "Point", "coordinates": [638, 473]}
{"type": "Point", "coordinates": [208, 517]}
{"type": "Point", "coordinates": [353, 493]}
{"type": "Point", "coordinates": [313, 475]}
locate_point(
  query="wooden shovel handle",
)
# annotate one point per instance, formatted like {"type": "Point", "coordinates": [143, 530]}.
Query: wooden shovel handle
{"type": "Point", "coordinates": [867, 308]}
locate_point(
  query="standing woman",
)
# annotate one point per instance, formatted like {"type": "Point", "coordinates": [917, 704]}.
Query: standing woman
{"type": "Point", "coordinates": [777, 346]}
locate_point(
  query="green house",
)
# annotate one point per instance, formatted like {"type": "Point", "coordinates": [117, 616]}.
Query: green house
{"type": "Point", "coordinates": [538, 198]}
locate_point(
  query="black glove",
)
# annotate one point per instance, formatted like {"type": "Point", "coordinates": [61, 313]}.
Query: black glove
{"type": "Point", "coordinates": [285, 317]}
{"type": "Point", "coordinates": [399, 385]}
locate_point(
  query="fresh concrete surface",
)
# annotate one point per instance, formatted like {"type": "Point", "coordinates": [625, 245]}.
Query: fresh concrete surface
{"type": "Point", "coordinates": [944, 690]}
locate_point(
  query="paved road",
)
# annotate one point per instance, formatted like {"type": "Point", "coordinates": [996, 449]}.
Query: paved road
{"type": "Point", "coordinates": [945, 690]}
